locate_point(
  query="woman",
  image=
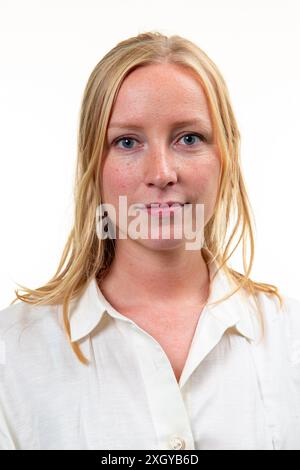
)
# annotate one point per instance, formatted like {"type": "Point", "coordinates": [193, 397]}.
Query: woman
{"type": "Point", "coordinates": [142, 342]}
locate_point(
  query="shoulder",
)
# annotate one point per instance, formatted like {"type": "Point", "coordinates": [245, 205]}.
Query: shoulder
{"type": "Point", "coordinates": [270, 307]}
{"type": "Point", "coordinates": [273, 311]}
{"type": "Point", "coordinates": [22, 314]}
{"type": "Point", "coordinates": [281, 324]}
{"type": "Point", "coordinates": [27, 323]}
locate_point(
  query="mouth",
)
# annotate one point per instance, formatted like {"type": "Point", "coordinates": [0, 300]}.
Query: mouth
{"type": "Point", "coordinates": [160, 204]}
{"type": "Point", "coordinates": [166, 204]}
{"type": "Point", "coordinates": [164, 209]}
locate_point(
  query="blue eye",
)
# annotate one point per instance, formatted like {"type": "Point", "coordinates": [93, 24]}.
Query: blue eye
{"type": "Point", "coordinates": [125, 139]}
{"type": "Point", "coordinates": [131, 139]}
{"type": "Point", "coordinates": [193, 135]}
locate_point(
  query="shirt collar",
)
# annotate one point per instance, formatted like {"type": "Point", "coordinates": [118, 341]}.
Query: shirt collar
{"type": "Point", "coordinates": [86, 312]}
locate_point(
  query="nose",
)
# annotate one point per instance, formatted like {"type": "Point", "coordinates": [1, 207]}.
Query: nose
{"type": "Point", "coordinates": [160, 169]}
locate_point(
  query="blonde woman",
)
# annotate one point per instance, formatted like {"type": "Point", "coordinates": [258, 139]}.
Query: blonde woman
{"type": "Point", "coordinates": [142, 342]}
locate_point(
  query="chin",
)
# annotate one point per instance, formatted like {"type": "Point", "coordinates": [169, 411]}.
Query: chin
{"type": "Point", "coordinates": [161, 244]}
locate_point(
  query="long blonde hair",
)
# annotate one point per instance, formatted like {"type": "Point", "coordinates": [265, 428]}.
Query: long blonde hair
{"type": "Point", "coordinates": [85, 255]}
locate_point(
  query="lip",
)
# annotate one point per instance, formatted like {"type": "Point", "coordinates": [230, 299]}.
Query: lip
{"type": "Point", "coordinates": [156, 204]}
{"type": "Point", "coordinates": [165, 203]}
{"type": "Point", "coordinates": [163, 208]}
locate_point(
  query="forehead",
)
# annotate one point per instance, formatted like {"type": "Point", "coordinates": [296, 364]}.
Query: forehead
{"type": "Point", "coordinates": [160, 91]}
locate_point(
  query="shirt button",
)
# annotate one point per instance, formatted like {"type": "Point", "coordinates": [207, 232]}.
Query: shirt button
{"type": "Point", "coordinates": [177, 443]}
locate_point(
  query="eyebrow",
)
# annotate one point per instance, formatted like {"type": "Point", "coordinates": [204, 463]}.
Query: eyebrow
{"type": "Point", "coordinates": [176, 125]}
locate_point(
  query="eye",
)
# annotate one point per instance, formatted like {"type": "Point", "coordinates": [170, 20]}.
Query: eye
{"type": "Point", "coordinates": [189, 142]}
{"type": "Point", "coordinates": [128, 140]}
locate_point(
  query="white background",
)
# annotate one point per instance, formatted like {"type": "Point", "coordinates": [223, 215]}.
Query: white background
{"type": "Point", "coordinates": [48, 50]}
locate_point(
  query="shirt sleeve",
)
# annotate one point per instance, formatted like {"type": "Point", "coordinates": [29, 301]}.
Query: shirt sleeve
{"type": "Point", "coordinates": [6, 439]}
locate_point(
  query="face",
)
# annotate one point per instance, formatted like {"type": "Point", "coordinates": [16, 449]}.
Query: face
{"type": "Point", "coordinates": [153, 155]}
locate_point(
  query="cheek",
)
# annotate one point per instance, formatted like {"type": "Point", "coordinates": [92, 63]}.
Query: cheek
{"type": "Point", "coordinates": [205, 178]}
{"type": "Point", "coordinates": [117, 180]}
{"type": "Point", "coordinates": [205, 183]}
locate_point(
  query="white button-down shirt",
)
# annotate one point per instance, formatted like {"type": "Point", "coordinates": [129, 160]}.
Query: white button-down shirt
{"type": "Point", "coordinates": [236, 391]}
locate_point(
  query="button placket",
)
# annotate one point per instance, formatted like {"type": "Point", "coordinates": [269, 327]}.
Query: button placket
{"type": "Point", "coordinates": [165, 398]}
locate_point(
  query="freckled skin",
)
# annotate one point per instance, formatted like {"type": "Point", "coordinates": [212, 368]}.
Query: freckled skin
{"type": "Point", "coordinates": [158, 283]}
{"type": "Point", "coordinates": [160, 165]}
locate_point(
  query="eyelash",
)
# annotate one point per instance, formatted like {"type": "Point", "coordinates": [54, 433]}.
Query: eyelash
{"type": "Point", "coordinates": [119, 139]}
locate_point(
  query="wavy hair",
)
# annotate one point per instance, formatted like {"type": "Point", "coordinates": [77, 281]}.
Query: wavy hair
{"type": "Point", "coordinates": [86, 255]}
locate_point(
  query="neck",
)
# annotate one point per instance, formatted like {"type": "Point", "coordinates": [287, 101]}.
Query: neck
{"type": "Point", "coordinates": [142, 276]}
